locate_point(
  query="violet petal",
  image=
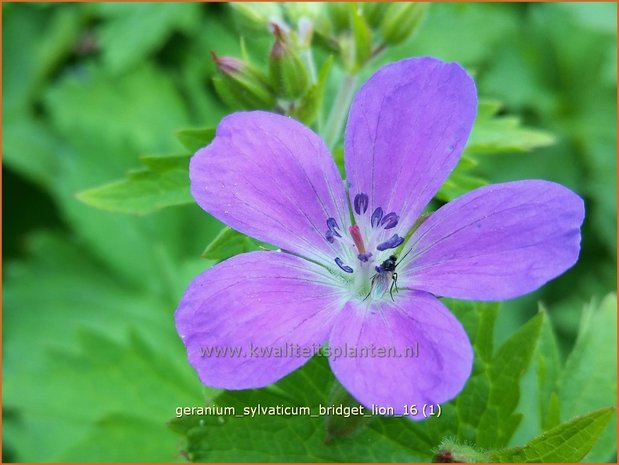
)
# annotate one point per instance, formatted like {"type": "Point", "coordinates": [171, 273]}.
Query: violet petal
{"type": "Point", "coordinates": [264, 300]}
{"type": "Point", "coordinates": [407, 127]}
{"type": "Point", "coordinates": [416, 320]}
{"type": "Point", "coordinates": [496, 242]}
{"type": "Point", "coordinates": [271, 178]}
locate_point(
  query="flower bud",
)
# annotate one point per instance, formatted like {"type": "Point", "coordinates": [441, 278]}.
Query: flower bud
{"type": "Point", "coordinates": [240, 85]}
{"type": "Point", "coordinates": [288, 74]}
{"type": "Point", "coordinates": [401, 20]}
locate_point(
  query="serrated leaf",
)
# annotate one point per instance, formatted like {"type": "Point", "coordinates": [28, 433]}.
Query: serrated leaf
{"type": "Point", "coordinates": [125, 368]}
{"type": "Point", "coordinates": [275, 438]}
{"type": "Point", "coordinates": [194, 139]}
{"type": "Point", "coordinates": [498, 134]}
{"type": "Point", "coordinates": [498, 422]}
{"type": "Point", "coordinates": [566, 443]}
{"type": "Point", "coordinates": [163, 183]}
{"type": "Point", "coordinates": [589, 378]}
{"type": "Point", "coordinates": [227, 244]}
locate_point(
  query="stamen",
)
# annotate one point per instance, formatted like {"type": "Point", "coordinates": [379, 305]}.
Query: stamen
{"type": "Point", "coordinates": [340, 263]}
{"type": "Point", "coordinates": [333, 227]}
{"type": "Point", "coordinates": [360, 203]}
{"type": "Point", "coordinates": [329, 236]}
{"type": "Point", "coordinates": [391, 243]}
{"type": "Point", "coordinates": [364, 257]}
{"type": "Point", "coordinates": [390, 220]}
{"type": "Point", "coordinates": [376, 217]}
{"type": "Point", "coordinates": [355, 233]}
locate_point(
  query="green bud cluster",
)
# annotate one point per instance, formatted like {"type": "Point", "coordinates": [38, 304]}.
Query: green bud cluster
{"type": "Point", "coordinates": [353, 32]}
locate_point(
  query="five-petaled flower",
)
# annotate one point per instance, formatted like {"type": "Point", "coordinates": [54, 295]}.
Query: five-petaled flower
{"type": "Point", "coordinates": [272, 178]}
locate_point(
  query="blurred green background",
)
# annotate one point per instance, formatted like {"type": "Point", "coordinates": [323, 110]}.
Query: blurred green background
{"type": "Point", "coordinates": [92, 366]}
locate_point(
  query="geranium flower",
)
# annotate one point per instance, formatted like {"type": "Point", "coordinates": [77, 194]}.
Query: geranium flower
{"type": "Point", "coordinates": [272, 178]}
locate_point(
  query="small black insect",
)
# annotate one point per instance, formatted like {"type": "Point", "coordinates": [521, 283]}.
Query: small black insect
{"type": "Point", "coordinates": [385, 277]}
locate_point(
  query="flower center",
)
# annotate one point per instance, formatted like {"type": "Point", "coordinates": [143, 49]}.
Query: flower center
{"type": "Point", "coordinates": [366, 259]}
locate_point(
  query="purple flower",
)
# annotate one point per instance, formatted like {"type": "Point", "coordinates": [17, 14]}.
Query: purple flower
{"type": "Point", "coordinates": [272, 178]}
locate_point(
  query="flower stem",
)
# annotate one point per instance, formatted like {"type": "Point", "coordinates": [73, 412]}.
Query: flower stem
{"type": "Point", "coordinates": [339, 110]}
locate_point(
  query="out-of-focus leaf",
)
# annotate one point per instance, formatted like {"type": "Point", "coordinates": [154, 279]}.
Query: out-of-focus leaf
{"type": "Point", "coordinates": [491, 134]}
{"type": "Point", "coordinates": [163, 183]}
{"type": "Point", "coordinates": [227, 244]}
{"type": "Point", "coordinates": [566, 443]}
{"type": "Point", "coordinates": [26, 67]}
{"type": "Point", "coordinates": [589, 378]}
{"type": "Point", "coordinates": [194, 139]}
{"type": "Point", "coordinates": [125, 45]}
{"type": "Point", "coordinates": [71, 391]}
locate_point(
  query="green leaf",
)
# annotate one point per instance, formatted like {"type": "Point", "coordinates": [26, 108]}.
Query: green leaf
{"type": "Point", "coordinates": [28, 66]}
{"type": "Point", "coordinates": [158, 22]}
{"type": "Point", "coordinates": [194, 139]}
{"type": "Point", "coordinates": [162, 183]}
{"type": "Point", "coordinates": [548, 364]}
{"type": "Point", "coordinates": [486, 407]}
{"type": "Point", "coordinates": [108, 368]}
{"type": "Point", "coordinates": [540, 386]}
{"type": "Point", "coordinates": [566, 443]}
{"type": "Point", "coordinates": [589, 378]}
{"type": "Point", "coordinates": [227, 244]}
{"type": "Point", "coordinates": [275, 438]}
{"type": "Point", "coordinates": [491, 134]}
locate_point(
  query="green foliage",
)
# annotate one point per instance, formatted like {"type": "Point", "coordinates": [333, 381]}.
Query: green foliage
{"type": "Point", "coordinates": [92, 365]}
{"type": "Point", "coordinates": [227, 244]}
{"type": "Point", "coordinates": [485, 414]}
{"type": "Point", "coordinates": [118, 29]}
{"type": "Point", "coordinates": [589, 379]}
{"type": "Point", "coordinates": [162, 183]}
{"type": "Point", "coordinates": [566, 443]}
{"type": "Point", "coordinates": [492, 134]}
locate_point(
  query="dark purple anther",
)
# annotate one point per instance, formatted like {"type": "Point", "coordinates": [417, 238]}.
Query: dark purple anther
{"type": "Point", "coordinates": [379, 269]}
{"type": "Point", "coordinates": [376, 217]}
{"type": "Point", "coordinates": [345, 268]}
{"type": "Point", "coordinates": [364, 257]}
{"type": "Point", "coordinates": [329, 236]}
{"type": "Point", "coordinates": [333, 227]}
{"type": "Point", "coordinates": [390, 220]}
{"type": "Point", "coordinates": [361, 203]}
{"type": "Point", "coordinates": [391, 243]}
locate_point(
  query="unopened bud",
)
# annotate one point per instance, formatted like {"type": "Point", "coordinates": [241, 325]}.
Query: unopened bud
{"type": "Point", "coordinates": [401, 20]}
{"type": "Point", "coordinates": [288, 74]}
{"type": "Point", "coordinates": [242, 86]}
